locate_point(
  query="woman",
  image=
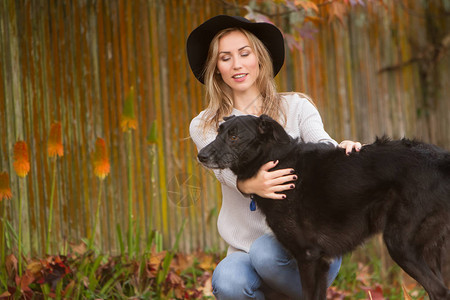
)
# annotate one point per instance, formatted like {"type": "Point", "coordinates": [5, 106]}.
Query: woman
{"type": "Point", "coordinates": [237, 61]}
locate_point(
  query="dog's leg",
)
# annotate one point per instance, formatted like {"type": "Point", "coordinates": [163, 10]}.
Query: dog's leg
{"type": "Point", "coordinates": [307, 271]}
{"type": "Point", "coordinates": [412, 262]}
{"type": "Point", "coordinates": [323, 267]}
{"type": "Point", "coordinates": [433, 258]}
{"type": "Point", "coordinates": [313, 274]}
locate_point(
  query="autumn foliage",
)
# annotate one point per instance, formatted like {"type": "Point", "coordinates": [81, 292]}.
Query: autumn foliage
{"type": "Point", "coordinates": [189, 276]}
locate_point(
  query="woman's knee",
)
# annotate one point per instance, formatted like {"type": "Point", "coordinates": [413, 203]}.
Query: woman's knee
{"type": "Point", "coordinates": [335, 266]}
{"type": "Point", "coordinates": [235, 278]}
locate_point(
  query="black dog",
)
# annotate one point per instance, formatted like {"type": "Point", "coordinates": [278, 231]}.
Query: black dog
{"type": "Point", "coordinates": [400, 188]}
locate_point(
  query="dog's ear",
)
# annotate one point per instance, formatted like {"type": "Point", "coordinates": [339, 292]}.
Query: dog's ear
{"type": "Point", "coordinates": [270, 129]}
{"type": "Point", "coordinates": [228, 118]}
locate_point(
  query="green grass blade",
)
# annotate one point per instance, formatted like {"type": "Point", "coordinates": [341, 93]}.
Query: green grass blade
{"type": "Point", "coordinates": [120, 239]}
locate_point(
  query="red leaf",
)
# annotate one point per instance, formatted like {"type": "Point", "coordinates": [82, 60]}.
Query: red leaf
{"type": "Point", "coordinates": [374, 293]}
{"type": "Point", "coordinates": [26, 280]}
{"type": "Point", "coordinates": [5, 295]}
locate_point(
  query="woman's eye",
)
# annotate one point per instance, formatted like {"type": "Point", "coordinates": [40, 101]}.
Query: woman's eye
{"type": "Point", "coordinates": [245, 54]}
{"type": "Point", "coordinates": [224, 58]}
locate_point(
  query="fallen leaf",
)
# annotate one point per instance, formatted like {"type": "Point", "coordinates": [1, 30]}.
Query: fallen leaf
{"type": "Point", "coordinates": [157, 258]}
{"type": "Point", "coordinates": [35, 267]}
{"type": "Point", "coordinates": [374, 293]}
{"type": "Point", "coordinates": [206, 288]}
{"type": "Point", "coordinates": [206, 261]}
{"type": "Point", "coordinates": [78, 249]}
{"type": "Point", "coordinates": [181, 262]}
{"type": "Point", "coordinates": [11, 265]}
{"type": "Point", "coordinates": [405, 293]}
{"type": "Point", "coordinates": [26, 280]}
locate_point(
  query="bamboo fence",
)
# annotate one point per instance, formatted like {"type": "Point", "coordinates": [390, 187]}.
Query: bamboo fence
{"type": "Point", "coordinates": [76, 61]}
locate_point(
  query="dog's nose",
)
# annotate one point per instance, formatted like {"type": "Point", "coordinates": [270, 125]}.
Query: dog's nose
{"type": "Point", "coordinates": [202, 157]}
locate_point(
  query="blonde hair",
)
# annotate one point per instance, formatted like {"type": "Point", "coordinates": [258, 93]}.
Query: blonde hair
{"type": "Point", "coordinates": [219, 94]}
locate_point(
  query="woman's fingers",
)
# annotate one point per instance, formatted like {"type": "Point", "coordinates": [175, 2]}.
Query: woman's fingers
{"type": "Point", "coordinates": [284, 179]}
{"type": "Point", "coordinates": [269, 165]}
{"type": "Point", "coordinates": [269, 184]}
{"type": "Point", "coordinates": [279, 173]}
{"type": "Point", "coordinates": [276, 196]}
{"type": "Point", "coordinates": [349, 146]}
{"type": "Point", "coordinates": [280, 188]}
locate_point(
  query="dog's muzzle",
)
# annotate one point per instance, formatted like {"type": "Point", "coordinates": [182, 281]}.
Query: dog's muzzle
{"type": "Point", "coordinates": [211, 159]}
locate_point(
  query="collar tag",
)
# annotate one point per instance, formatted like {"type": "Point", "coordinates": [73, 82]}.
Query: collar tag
{"type": "Point", "coordinates": [252, 203]}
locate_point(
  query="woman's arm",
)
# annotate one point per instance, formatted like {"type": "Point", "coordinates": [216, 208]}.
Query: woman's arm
{"type": "Point", "coordinates": [312, 130]}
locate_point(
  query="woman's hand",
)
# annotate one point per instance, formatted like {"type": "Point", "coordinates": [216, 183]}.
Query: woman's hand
{"type": "Point", "coordinates": [266, 183]}
{"type": "Point", "coordinates": [349, 146]}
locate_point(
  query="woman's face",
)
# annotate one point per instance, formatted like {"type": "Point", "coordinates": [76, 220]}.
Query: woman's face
{"type": "Point", "coordinates": [237, 62]}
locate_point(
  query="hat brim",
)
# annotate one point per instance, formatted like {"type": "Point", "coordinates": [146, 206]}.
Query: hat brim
{"type": "Point", "coordinates": [198, 42]}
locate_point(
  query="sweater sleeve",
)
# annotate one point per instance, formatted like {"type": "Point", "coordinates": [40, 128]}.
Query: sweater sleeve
{"type": "Point", "coordinates": [201, 138]}
{"type": "Point", "coordinates": [311, 125]}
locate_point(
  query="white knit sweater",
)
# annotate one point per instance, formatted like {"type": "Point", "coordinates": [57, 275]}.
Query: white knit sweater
{"type": "Point", "coordinates": [237, 224]}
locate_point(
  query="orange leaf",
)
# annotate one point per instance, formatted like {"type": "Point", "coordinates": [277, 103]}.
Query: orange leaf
{"type": "Point", "coordinates": [26, 280]}
{"type": "Point", "coordinates": [405, 293]}
{"type": "Point", "coordinates": [181, 262]}
{"type": "Point", "coordinates": [306, 5]}
{"type": "Point", "coordinates": [313, 19]}
{"type": "Point", "coordinates": [337, 10]}
{"type": "Point", "coordinates": [157, 258]}
{"type": "Point", "coordinates": [205, 261]}
{"type": "Point", "coordinates": [207, 289]}
{"type": "Point", "coordinates": [35, 268]}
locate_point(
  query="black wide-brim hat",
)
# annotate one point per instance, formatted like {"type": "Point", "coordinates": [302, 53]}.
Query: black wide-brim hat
{"type": "Point", "coordinates": [200, 38]}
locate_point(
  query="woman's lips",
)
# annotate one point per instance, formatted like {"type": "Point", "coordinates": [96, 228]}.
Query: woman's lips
{"type": "Point", "coordinates": [240, 77]}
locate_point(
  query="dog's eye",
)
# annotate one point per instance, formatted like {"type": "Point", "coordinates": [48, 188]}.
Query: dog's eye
{"type": "Point", "coordinates": [233, 137]}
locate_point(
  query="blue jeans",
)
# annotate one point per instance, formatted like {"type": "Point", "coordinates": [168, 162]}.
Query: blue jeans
{"type": "Point", "coordinates": [266, 272]}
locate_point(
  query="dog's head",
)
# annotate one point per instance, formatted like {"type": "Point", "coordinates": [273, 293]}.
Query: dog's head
{"type": "Point", "coordinates": [241, 141]}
